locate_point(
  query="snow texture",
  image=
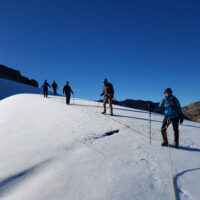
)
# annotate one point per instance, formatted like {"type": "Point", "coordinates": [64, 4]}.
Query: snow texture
{"type": "Point", "coordinates": [54, 151]}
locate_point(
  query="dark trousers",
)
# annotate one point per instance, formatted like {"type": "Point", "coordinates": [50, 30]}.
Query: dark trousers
{"type": "Point", "coordinates": [165, 125]}
{"type": "Point", "coordinates": [55, 91]}
{"type": "Point", "coordinates": [45, 92]}
{"type": "Point", "coordinates": [68, 96]}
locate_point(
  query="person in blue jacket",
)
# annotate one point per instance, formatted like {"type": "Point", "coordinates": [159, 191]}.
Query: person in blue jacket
{"type": "Point", "coordinates": [171, 108]}
{"type": "Point", "coordinates": [45, 87]}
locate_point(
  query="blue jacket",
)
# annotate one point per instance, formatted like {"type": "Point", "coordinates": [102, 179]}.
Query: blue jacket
{"type": "Point", "coordinates": [171, 107]}
{"type": "Point", "coordinates": [45, 86]}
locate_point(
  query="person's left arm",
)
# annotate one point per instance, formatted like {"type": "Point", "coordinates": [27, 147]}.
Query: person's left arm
{"type": "Point", "coordinates": [179, 111]}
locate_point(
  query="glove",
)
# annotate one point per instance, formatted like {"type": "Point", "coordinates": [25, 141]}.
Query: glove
{"type": "Point", "coordinates": [101, 94]}
{"type": "Point", "coordinates": [181, 118]}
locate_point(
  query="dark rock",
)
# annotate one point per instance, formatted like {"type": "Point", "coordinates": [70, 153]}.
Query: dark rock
{"type": "Point", "coordinates": [15, 75]}
{"type": "Point", "coordinates": [34, 83]}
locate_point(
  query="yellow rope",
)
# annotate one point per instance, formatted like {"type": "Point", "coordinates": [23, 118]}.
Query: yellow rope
{"type": "Point", "coordinates": [172, 175]}
{"type": "Point", "coordinates": [127, 126]}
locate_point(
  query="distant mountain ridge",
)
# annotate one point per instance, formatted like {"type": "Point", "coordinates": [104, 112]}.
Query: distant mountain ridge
{"type": "Point", "coordinates": [15, 75]}
{"type": "Point", "coordinates": [136, 104]}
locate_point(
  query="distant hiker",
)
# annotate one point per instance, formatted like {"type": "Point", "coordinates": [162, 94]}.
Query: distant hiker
{"type": "Point", "coordinates": [45, 87]}
{"type": "Point", "coordinates": [67, 91]}
{"type": "Point", "coordinates": [55, 87]}
{"type": "Point", "coordinates": [108, 93]}
{"type": "Point", "coordinates": [173, 114]}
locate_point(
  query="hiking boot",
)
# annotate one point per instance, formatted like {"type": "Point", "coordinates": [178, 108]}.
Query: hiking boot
{"type": "Point", "coordinates": [164, 143]}
{"type": "Point", "coordinates": [176, 139]}
{"type": "Point", "coordinates": [176, 144]}
{"type": "Point", "coordinates": [104, 112]}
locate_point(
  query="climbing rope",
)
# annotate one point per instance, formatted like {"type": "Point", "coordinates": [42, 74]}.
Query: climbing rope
{"type": "Point", "coordinates": [170, 155]}
{"type": "Point", "coordinates": [172, 175]}
{"type": "Point", "coordinates": [173, 191]}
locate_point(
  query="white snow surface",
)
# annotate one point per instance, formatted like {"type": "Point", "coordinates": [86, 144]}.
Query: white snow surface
{"type": "Point", "coordinates": [54, 151]}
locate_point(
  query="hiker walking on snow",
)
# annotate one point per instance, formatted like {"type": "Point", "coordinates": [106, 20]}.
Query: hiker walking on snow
{"type": "Point", "coordinates": [67, 91]}
{"type": "Point", "coordinates": [45, 87]}
{"type": "Point", "coordinates": [108, 93]}
{"type": "Point", "coordinates": [173, 114]}
{"type": "Point", "coordinates": [55, 87]}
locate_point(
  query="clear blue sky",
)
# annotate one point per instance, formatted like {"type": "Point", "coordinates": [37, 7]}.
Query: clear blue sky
{"type": "Point", "coordinates": [141, 46]}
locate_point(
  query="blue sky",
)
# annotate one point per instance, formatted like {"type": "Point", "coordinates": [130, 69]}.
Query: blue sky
{"type": "Point", "coordinates": [141, 46]}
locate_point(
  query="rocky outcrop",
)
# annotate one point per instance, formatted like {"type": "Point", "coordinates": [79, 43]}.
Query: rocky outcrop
{"type": "Point", "coordinates": [192, 111]}
{"type": "Point", "coordinates": [15, 75]}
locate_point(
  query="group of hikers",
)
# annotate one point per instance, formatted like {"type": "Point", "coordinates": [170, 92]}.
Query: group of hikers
{"type": "Point", "coordinates": [66, 90]}
{"type": "Point", "coordinates": [170, 106]}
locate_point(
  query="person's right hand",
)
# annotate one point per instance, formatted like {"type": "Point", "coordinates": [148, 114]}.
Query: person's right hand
{"type": "Point", "coordinates": [181, 118]}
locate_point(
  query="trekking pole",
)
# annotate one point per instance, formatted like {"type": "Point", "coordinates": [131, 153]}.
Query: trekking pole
{"type": "Point", "coordinates": [98, 106]}
{"type": "Point", "coordinates": [63, 99]}
{"type": "Point", "coordinates": [149, 106]}
{"type": "Point", "coordinates": [73, 99]}
{"type": "Point", "coordinates": [40, 92]}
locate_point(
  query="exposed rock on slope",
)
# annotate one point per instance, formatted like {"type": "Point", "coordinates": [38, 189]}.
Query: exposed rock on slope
{"type": "Point", "coordinates": [192, 111]}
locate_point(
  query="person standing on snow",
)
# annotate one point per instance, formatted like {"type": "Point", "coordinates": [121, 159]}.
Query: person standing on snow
{"type": "Point", "coordinates": [173, 114]}
{"type": "Point", "coordinates": [55, 87]}
{"type": "Point", "coordinates": [108, 93]}
{"type": "Point", "coordinates": [67, 91]}
{"type": "Point", "coordinates": [45, 87]}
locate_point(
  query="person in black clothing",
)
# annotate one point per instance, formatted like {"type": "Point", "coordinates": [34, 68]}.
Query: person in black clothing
{"type": "Point", "coordinates": [55, 87]}
{"type": "Point", "coordinates": [108, 93]}
{"type": "Point", "coordinates": [67, 91]}
{"type": "Point", "coordinates": [45, 87]}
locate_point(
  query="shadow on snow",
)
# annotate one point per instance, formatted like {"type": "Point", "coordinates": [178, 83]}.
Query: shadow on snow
{"type": "Point", "coordinates": [10, 182]}
{"type": "Point", "coordinates": [175, 179]}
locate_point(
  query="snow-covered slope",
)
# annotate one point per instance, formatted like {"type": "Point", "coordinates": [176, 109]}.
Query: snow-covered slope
{"type": "Point", "coordinates": [51, 151]}
{"type": "Point", "coordinates": [8, 88]}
